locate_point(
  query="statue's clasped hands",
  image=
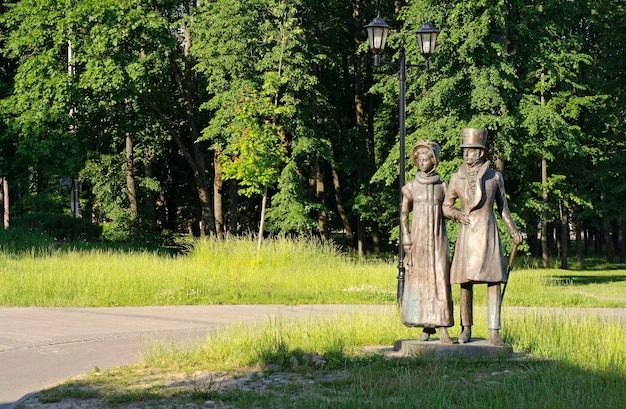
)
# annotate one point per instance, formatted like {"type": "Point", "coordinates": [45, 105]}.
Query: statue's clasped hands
{"type": "Point", "coordinates": [465, 219]}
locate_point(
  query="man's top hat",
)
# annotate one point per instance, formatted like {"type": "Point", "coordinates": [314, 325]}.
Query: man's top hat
{"type": "Point", "coordinates": [474, 138]}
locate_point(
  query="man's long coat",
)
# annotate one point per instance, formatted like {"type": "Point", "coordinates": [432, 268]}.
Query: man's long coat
{"type": "Point", "coordinates": [478, 253]}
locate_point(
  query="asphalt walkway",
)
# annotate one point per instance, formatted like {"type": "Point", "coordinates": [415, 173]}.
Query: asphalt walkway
{"type": "Point", "coordinates": [41, 347]}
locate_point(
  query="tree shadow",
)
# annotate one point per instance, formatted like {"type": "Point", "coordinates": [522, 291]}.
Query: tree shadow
{"type": "Point", "coordinates": [580, 280]}
{"type": "Point", "coordinates": [374, 380]}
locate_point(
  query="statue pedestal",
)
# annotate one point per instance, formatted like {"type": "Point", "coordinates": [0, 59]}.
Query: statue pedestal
{"type": "Point", "coordinates": [477, 347]}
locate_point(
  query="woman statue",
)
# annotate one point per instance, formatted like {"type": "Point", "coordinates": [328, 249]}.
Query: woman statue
{"type": "Point", "coordinates": [427, 299]}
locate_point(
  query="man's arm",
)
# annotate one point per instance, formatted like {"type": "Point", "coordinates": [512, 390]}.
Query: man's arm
{"type": "Point", "coordinates": [505, 213]}
{"type": "Point", "coordinates": [449, 209]}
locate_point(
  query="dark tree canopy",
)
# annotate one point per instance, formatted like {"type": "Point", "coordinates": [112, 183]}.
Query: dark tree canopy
{"type": "Point", "coordinates": [181, 116]}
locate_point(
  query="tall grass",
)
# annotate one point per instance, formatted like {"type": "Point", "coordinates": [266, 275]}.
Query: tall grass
{"type": "Point", "coordinates": [567, 288]}
{"type": "Point", "coordinates": [232, 271]}
{"type": "Point", "coordinates": [570, 360]}
{"type": "Point", "coordinates": [585, 341]}
{"type": "Point", "coordinates": [560, 362]}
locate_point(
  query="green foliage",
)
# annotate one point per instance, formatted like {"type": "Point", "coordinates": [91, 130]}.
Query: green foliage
{"type": "Point", "coordinates": [258, 150]}
{"type": "Point", "coordinates": [60, 226]}
{"type": "Point", "coordinates": [106, 175]}
{"type": "Point", "coordinates": [283, 91]}
{"type": "Point", "coordinates": [291, 211]}
{"type": "Point", "coordinates": [258, 70]}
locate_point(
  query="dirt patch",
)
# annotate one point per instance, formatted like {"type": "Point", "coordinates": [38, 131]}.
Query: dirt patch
{"type": "Point", "coordinates": [141, 387]}
{"type": "Point", "coordinates": [201, 389]}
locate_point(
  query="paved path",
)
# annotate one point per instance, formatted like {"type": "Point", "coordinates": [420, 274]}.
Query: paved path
{"type": "Point", "coordinates": [41, 347]}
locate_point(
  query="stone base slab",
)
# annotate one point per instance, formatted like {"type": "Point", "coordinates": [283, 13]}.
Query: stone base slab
{"type": "Point", "coordinates": [477, 347]}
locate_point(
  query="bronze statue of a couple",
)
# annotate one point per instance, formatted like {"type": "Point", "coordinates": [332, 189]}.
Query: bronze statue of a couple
{"type": "Point", "coordinates": [478, 257]}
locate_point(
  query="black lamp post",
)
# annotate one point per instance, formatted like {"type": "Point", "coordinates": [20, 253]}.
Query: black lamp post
{"type": "Point", "coordinates": [377, 32]}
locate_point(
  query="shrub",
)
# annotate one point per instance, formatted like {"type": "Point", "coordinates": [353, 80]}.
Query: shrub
{"type": "Point", "coordinates": [60, 226]}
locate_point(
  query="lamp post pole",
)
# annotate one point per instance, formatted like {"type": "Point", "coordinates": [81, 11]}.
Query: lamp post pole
{"type": "Point", "coordinates": [401, 177]}
{"type": "Point", "coordinates": [377, 31]}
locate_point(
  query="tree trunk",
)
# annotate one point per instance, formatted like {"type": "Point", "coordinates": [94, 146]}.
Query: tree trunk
{"type": "Point", "coordinates": [150, 198]}
{"type": "Point", "coordinates": [606, 232]}
{"type": "Point", "coordinates": [320, 186]}
{"type": "Point", "coordinates": [361, 236]}
{"type": "Point", "coordinates": [375, 239]}
{"type": "Point", "coordinates": [359, 114]}
{"type": "Point", "coordinates": [320, 193]}
{"type": "Point", "coordinates": [186, 137]}
{"type": "Point", "coordinates": [262, 222]}
{"type": "Point", "coordinates": [130, 184]}
{"type": "Point", "coordinates": [169, 197]}
{"type": "Point", "coordinates": [606, 235]}
{"type": "Point", "coordinates": [206, 211]}
{"type": "Point", "coordinates": [5, 202]}
{"type": "Point", "coordinates": [185, 80]}
{"type": "Point", "coordinates": [340, 209]}
{"type": "Point", "coordinates": [232, 207]}
{"type": "Point", "coordinates": [196, 161]}
{"type": "Point", "coordinates": [621, 244]}
{"type": "Point", "coordinates": [545, 252]}
{"type": "Point", "coordinates": [564, 234]}
{"type": "Point", "coordinates": [218, 197]}
{"type": "Point", "coordinates": [579, 245]}
{"type": "Point", "coordinates": [201, 176]}
{"type": "Point", "coordinates": [544, 214]}
{"type": "Point", "coordinates": [598, 238]}
{"type": "Point", "coordinates": [371, 151]}
{"type": "Point", "coordinates": [2, 198]}
{"type": "Point", "coordinates": [533, 240]}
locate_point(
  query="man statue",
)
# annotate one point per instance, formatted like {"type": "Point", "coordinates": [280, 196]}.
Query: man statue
{"type": "Point", "coordinates": [478, 256]}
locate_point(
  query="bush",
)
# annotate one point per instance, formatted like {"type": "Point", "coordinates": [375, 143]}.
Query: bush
{"type": "Point", "coordinates": [18, 239]}
{"type": "Point", "coordinates": [60, 226]}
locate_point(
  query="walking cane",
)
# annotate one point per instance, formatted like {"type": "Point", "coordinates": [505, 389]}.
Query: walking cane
{"type": "Point", "coordinates": [508, 270]}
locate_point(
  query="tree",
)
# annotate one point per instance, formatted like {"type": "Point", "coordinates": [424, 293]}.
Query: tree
{"type": "Point", "coordinates": [7, 70]}
{"type": "Point", "coordinates": [162, 98]}
{"type": "Point", "coordinates": [128, 55]}
{"type": "Point", "coordinates": [275, 69]}
{"type": "Point", "coordinates": [603, 124]}
{"type": "Point", "coordinates": [259, 149]}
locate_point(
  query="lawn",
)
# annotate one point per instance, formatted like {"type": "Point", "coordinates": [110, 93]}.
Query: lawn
{"type": "Point", "coordinates": [561, 360]}
{"type": "Point", "coordinates": [283, 272]}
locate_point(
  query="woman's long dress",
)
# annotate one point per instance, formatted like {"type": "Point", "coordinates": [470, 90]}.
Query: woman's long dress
{"type": "Point", "coordinates": [427, 299]}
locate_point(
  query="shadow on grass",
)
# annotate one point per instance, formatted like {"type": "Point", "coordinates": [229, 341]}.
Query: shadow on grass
{"type": "Point", "coordinates": [573, 279]}
{"type": "Point", "coordinates": [597, 264]}
{"type": "Point", "coordinates": [359, 381]}
{"type": "Point", "coordinates": [19, 241]}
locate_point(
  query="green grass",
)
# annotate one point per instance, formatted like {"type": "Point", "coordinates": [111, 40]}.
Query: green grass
{"type": "Point", "coordinates": [561, 362]}
{"type": "Point", "coordinates": [233, 272]}
{"type": "Point", "coordinates": [564, 360]}
{"type": "Point", "coordinates": [211, 272]}
{"type": "Point", "coordinates": [567, 288]}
